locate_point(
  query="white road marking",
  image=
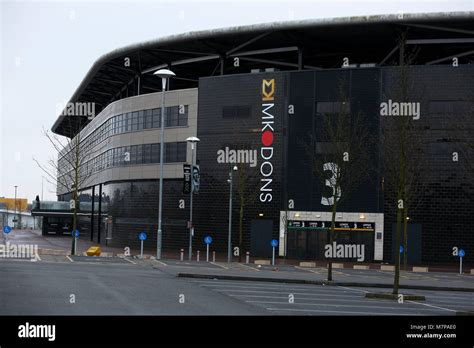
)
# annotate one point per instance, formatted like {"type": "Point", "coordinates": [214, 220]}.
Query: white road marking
{"type": "Point", "coordinates": [338, 305]}
{"type": "Point", "coordinates": [287, 292]}
{"type": "Point", "coordinates": [339, 312]}
{"type": "Point", "coordinates": [359, 290]}
{"type": "Point", "coordinates": [286, 287]}
{"type": "Point", "coordinates": [428, 305]}
{"type": "Point", "coordinates": [67, 256]}
{"type": "Point", "coordinates": [129, 260]}
{"type": "Point", "coordinates": [160, 262]}
{"type": "Point", "coordinates": [252, 268]}
{"type": "Point", "coordinates": [298, 298]}
{"type": "Point", "coordinates": [307, 269]}
{"type": "Point", "coordinates": [224, 267]}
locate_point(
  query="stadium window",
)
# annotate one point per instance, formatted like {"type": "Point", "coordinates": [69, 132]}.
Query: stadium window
{"type": "Point", "coordinates": [138, 154]}
{"type": "Point", "coordinates": [141, 119]}
{"type": "Point", "coordinates": [155, 153]}
{"type": "Point", "coordinates": [183, 118]}
{"type": "Point", "coordinates": [171, 150]}
{"type": "Point", "coordinates": [172, 116]}
{"type": "Point", "coordinates": [128, 122]}
{"type": "Point", "coordinates": [156, 118]}
{"type": "Point", "coordinates": [146, 153]}
{"type": "Point", "coordinates": [182, 152]}
{"type": "Point", "coordinates": [133, 155]}
{"type": "Point", "coordinates": [134, 121]}
{"type": "Point", "coordinates": [148, 119]}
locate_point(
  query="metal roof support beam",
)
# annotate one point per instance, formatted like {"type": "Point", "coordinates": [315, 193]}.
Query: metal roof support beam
{"type": "Point", "coordinates": [120, 68]}
{"type": "Point", "coordinates": [109, 81]}
{"type": "Point", "coordinates": [151, 88]}
{"type": "Point", "coordinates": [97, 92]}
{"type": "Point", "coordinates": [258, 60]}
{"type": "Point", "coordinates": [293, 65]}
{"type": "Point", "coordinates": [401, 56]}
{"type": "Point", "coordinates": [454, 30]}
{"type": "Point", "coordinates": [195, 60]}
{"type": "Point", "coordinates": [184, 79]}
{"type": "Point", "coordinates": [222, 64]}
{"type": "Point", "coordinates": [300, 59]}
{"type": "Point", "coordinates": [439, 41]}
{"type": "Point", "coordinates": [265, 51]}
{"type": "Point", "coordinates": [463, 54]}
{"type": "Point", "coordinates": [256, 38]}
{"type": "Point", "coordinates": [181, 62]}
{"type": "Point", "coordinates": [389, 55]}
{"type": "Point", "coordinates": [184, 52]}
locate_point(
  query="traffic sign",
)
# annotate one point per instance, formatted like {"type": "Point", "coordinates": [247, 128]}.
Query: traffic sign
{"type": "Point", "coordinates": [461, 253]}
{"type": "Point", "coordinates": [274, 243]}
{"type": "Point", "coordinates": [401, 249]}
{"type": "Point", "coordinates": [142, 236]}
{"type": "Point", "coordinates": [208, 240]}
{"type": "Point", "coordinates": [7, 229]}
{"type": "Point", "coordinates": [76, 233]}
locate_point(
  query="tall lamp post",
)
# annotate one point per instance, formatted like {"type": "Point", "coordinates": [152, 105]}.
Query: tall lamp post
{"type": "Point", "coordinates": [14, 216]}
{"type": "Point", "coordinates": [193, 141]}
{"type": "Point", "coordinates": [229, 237]}
{"type": "Point", "coordinates": [164, 74]}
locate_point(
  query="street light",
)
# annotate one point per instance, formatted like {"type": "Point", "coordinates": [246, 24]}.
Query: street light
{"type": "Point", "coordinates": [193, 141]}
{"type": "Point", "coordinates": [14, 216]}
{"type": "Point", "coordinates": [229, 238]}
{"type": "Point", "coordinates": [164, 74]}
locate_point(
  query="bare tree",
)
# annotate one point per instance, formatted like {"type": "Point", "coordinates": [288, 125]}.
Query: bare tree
{"type": "Point", "coordinates": [72, 170]}
{"type": "Point", "coordinates": [404, 158]}
{"type": "Point", "coordinates": [341, 148]}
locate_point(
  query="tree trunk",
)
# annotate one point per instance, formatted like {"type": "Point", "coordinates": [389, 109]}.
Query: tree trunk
{"type": "Point", "coordinates": [405, 238]}
{"type": "Point", "coordinates": [74, 224]}
{"type": "Point", "coordinates": [330, 237]}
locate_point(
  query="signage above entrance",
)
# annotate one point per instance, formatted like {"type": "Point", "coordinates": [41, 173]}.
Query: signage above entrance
{"type": "Point", "coordinates": [340, 226]}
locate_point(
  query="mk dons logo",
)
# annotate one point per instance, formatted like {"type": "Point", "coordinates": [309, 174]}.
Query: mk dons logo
{"type": "Point", "coordinates": [268, 90]}
{"type": "Point", "coordinates": [267, 137]}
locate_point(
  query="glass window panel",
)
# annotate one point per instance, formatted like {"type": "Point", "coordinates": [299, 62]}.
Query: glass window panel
{"type": "Point", "coordinates": [182, 152]}
{"type": "Point", "coordinates": [155, 155]}
{"type": "Point", "coordinates": [156, 118]}
{"type": "Point", "coordinates": [147, 153]}
{"type": "Point", "coordinates": [139, 154]}
{"type": "Point", "coordinates": [183, 118]}
{"type": "Point", "coordinates": [171, 152]}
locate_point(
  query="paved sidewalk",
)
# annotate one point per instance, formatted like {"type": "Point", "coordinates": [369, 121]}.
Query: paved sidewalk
{"type": "Point", "coordinates": [318, 276]}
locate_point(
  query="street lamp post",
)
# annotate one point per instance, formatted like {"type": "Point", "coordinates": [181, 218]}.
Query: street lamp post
{"type": "Point", "coordinates": [193, 141]}
{"type": "Point", "coordinates": [164, 74]}
{"type": "Point", "coordinates": [14, 216]}
{"type": "Point", "coordinates": [229, 237]}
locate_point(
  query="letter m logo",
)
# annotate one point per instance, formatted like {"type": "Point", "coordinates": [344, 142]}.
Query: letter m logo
{"type": "Point", "coordinates": [268, 89]}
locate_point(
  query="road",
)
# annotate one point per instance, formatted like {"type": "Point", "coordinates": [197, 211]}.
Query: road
{"type": "Point", "coordinates": [115, 286]}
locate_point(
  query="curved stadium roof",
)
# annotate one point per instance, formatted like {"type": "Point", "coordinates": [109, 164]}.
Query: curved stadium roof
{"type": "Point", "coordinates": [293, 45]}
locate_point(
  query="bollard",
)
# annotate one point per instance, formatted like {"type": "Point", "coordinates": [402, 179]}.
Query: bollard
{"type": "Point", "coordinates": [182, 255]}
{"type": "Point", "coordinates": [197, 257]}
{"type": "Point", "coordinates": [214, 256]}
{"type": "Point", "coordinates": [247, 257]}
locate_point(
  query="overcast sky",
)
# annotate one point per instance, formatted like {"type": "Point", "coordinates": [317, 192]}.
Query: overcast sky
{"type": "Point", "coordinates": [48, 47]}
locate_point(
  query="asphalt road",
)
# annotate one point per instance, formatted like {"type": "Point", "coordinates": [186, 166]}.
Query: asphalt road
{"type": "Point", "coordinates": [114, 286]}
{"type": "Point", "coordinates": [106, 288]}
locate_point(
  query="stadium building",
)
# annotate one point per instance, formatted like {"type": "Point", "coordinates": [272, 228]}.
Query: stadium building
{"type": "Point", "coordinates": [254, 96]}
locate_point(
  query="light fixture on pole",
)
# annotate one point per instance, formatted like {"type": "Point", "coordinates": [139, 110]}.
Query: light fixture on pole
{"type": "Point", "coordinates": [229, 237]}
{"type": "Point", "coordinates": [15, 219]}
{"type": "Point", "coordinates": [164, 74]}
{"type": "Point", "coordinates": [193, 141]}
